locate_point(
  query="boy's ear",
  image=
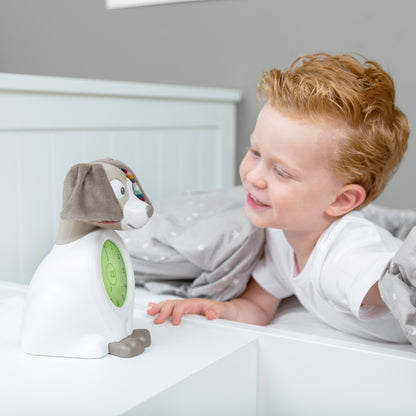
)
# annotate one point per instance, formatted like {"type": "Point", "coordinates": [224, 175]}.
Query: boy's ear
{"type": "Point", "coordinates": [350, 197]}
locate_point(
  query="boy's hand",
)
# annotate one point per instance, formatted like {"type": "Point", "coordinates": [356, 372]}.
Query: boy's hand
{"type": "Point", "coordinates": [177, 308]}
{"type": "Point", "coordinates": [254, 306]}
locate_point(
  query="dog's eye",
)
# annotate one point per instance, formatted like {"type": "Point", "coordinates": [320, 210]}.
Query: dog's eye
{"type": "Point", "coordinates": [118, 188]}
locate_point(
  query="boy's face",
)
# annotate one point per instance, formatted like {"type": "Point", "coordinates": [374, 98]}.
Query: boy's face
{"type": "Point", "coordinates": [287, 173]}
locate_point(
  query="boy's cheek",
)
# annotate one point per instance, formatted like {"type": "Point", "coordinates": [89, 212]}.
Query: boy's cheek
{"type": "Point", "coordinates": [243, 169]}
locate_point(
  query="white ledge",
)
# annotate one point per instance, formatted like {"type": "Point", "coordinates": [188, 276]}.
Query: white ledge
{"type": "Point", "coordinates": [119, 4]}
{"type": "Point", "coordinates": [46, 84]}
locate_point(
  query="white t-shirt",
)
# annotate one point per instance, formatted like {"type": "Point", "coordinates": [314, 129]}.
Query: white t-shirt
{"type": "Point", "coordinates": [348, 259]}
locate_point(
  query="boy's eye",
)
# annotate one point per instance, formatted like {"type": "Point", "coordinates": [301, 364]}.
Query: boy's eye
{"type": "Point", "coordinates": [254, 152]}
{"type": "Point", "coordinates": [280, 173]}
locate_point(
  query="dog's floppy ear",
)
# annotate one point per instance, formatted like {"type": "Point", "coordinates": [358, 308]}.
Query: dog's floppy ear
{"type": "Point", "coordinates": [88, 195]}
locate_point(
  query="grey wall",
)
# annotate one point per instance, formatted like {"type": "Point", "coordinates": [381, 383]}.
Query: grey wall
{"type": "Point", "coordinates": [220, 43]}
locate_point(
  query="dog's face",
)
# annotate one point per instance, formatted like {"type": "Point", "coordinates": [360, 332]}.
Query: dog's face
{"type": "Point", "coordinates": [106, 194]}
{"type": "Point", "coordinates": [136, 211]}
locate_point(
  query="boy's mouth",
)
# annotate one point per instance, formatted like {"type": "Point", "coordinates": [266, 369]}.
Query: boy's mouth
{"type": "Point", "coordinates": [254, 202]}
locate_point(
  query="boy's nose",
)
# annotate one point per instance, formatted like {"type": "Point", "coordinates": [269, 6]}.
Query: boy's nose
{"type": "Point", "coordinates": [256, 178]}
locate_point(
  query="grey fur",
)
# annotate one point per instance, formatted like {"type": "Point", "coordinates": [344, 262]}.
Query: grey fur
{"type": "Point", "coordinates": [87, 193]}
{"type": "Point", "coordinates": [88, 196]}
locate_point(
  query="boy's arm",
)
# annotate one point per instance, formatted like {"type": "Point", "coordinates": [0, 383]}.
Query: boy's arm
{"type": "Point", "coordinates": [373, 296]}
{"type": "Point", "coordinates": [254, 306]}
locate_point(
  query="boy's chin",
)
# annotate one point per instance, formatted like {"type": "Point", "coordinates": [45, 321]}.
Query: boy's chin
{"type": "Point", "coordinates": [255, 218]}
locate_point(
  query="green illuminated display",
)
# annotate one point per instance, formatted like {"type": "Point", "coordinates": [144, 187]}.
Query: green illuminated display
{"type": "Point", "coordinates": [114, 273]}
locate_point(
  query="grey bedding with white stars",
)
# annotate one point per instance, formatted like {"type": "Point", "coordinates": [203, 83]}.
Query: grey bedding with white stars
{"type": "Point", "coordinates": [202, 245]}
{"type": "Point", "coordinates": [197, 245]}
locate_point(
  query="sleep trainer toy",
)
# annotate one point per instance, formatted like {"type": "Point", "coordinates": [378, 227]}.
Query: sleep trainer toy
{"type": "Point", "coordinates": [80, 300]}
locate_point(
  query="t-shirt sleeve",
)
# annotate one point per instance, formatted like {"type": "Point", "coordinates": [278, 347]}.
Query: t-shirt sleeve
{"type": "Point", "coordinates": [353, 267]}
{"type": "Point", "coordinates": [271, 270]}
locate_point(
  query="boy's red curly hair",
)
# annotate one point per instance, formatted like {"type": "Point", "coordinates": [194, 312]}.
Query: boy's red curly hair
{"type": "Point", "coordinates": [339, 88]}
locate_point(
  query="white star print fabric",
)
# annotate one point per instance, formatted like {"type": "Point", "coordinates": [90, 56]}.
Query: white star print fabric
{"type": "Point", "coordinates": [197, 245]}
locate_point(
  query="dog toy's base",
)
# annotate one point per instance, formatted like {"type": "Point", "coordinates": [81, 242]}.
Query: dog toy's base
{"type": "Point", "coordinates": [132, 345]}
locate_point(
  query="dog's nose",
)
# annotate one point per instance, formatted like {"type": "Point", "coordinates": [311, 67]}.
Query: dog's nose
{"type": "Point", "coordinates": [149, 210]}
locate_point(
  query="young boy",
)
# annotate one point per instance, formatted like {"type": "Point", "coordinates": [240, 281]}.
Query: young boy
{"type": "Point", "coordinates": [325, 143]}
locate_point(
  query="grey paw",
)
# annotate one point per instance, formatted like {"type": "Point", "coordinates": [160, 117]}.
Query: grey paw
{"type": "Point", "coordinates": [143, 335]}
{"type": "Point", "coordinates": [132, 345]}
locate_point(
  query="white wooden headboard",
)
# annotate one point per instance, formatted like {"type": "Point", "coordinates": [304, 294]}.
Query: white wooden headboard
{"type": "Point", "coordinates": [175, 138]}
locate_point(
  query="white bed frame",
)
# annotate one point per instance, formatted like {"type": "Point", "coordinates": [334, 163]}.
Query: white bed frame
{"type": "Point", "coordinates": [176, 139]}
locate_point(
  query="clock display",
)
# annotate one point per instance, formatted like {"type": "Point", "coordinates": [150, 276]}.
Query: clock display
{"type": "Point", "coordinates": [114, 273]}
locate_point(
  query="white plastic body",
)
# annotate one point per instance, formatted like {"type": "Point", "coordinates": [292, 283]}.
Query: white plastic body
{"type": "Point", "coordinates": [68, 312]}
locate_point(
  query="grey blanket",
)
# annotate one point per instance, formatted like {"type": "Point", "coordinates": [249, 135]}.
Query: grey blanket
{"type": "Point", "coordinates": [398, 283]}
{"type": "Point", "coordinates": [202, 245]}
{"type": "Point", "coordinates": [197, 245]}
{"type": "Point", "coordinates": [398, 221]}
{"type": "Point", "coordinates": [398, 286]}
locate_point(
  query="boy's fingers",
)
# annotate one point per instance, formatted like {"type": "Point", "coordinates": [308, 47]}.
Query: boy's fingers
{"type": "Point", "coordinates": [211, 314]}
{"type": "Point", "coordinates": [177, 308]}
{"type": "Point", "coordinates": [176, 316]}
{"type": "Point", "coordinates": [164, 310]}
{"type": "Point", "coordinates": [185, 307]}
{"type": "Point", "coordinates": [153, 309]}
{"type": "Point", "coordinates": [214, 311]}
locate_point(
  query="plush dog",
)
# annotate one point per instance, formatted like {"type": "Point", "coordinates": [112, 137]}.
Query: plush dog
{"type": "Point", "coordinates": [80, 300]}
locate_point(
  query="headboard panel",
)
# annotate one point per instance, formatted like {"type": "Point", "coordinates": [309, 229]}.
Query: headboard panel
{"type": "Point", "coordinates": [176, 139]}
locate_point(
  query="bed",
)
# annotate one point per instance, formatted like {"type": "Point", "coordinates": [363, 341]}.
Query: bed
{"type": "Point", "coordinates": [178, 140]}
